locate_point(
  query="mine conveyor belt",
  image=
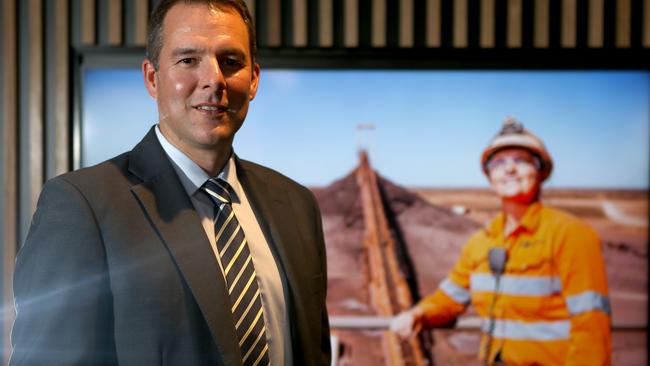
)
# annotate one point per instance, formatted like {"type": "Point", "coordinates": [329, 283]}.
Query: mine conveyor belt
{"type": "Point", "coordinates": [389, 291]}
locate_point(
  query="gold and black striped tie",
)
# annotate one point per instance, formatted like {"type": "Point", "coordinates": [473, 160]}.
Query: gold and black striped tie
{"type": "Point", "coordinates": [241, 279]}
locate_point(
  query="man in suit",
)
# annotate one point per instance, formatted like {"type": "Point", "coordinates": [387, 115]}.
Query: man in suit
{"type": "Point", "coordinates": [178, 252]}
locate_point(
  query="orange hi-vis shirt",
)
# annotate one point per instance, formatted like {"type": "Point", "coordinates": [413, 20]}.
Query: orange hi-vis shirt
{"type": "Point", "coordinates": [552, 306]}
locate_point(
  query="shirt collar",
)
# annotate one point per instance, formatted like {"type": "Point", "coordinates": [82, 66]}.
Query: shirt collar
{"type": "Point", "coordinates": [196, 176]}
{"type": "Point", "coordinates": [229, 174]}
{"type": "Point", "coordinates": [529, 222]}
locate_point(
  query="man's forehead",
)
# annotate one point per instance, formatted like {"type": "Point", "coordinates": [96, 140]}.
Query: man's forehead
{"type": "Point", "coordinates": [192, 18]}
{"type": "Point", "coordinates": [193, 26]}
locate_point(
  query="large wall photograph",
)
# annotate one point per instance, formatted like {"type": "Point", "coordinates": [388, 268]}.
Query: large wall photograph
{"type": "Point", "coordinates": [393, 158]}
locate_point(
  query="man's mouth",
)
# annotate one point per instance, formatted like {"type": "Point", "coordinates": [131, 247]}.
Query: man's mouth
{"type": "Point", "coordinates": [207, 108]}
{"type": "Point", "coordinates": [212, 108]}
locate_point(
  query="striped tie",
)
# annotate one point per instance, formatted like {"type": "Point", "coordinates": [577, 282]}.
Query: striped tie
{"type": "Point", "coordinates": [240, 276]}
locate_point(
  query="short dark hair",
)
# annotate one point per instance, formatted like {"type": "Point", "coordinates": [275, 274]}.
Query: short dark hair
{"type": "Point", "coordinates": [155, 27]}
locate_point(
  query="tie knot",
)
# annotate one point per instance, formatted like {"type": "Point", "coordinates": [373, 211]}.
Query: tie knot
{"type": "Point", "coordinates": [217, 190]}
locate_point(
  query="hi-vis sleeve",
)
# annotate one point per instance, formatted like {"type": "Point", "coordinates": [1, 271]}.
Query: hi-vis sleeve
{"type": "Point", "coordinates": [452, 296]}
{"type": "Point", "coordinates": [584, 286]}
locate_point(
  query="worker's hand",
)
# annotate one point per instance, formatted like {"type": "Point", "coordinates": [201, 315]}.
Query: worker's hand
{"type": "Point", "coordinates": [406, 323]}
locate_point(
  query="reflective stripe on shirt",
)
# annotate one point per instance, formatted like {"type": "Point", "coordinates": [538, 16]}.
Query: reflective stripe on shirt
{"type": "Point", "coordinates": [588, 301]}
{"type": "Point", "coordinates": [517, 285]}
{"type": "Point", "coordinates": [457, 293]}
{"type": "Point", "coordinates": [537, 331]}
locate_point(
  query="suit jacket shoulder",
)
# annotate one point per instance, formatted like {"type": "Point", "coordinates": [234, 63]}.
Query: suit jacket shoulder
{"type": "Point", "coordinates": [274, 177]}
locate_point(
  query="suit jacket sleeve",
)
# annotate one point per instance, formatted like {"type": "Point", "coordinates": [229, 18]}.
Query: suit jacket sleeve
{"type": "Point", "coordinates": [61, 287]}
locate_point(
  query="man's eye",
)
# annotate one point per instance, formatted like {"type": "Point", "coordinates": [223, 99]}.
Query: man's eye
{"type": "Point", "coordinates": [231, 62]}
{"type": "Point", "coordinates": [187, 61]}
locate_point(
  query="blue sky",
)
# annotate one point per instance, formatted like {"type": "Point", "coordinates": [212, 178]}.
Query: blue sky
{"type": "Point", "coordinates": [430, 126]}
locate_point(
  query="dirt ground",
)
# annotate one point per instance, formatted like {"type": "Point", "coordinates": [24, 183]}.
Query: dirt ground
{"type": "Point", "coordinates": [433, 224]}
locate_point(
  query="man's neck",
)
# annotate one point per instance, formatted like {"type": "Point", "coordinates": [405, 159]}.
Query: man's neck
{"type": "Point", "coordinates": [514, 212]}
{"type": "Point", "coordinates": [211, 160]}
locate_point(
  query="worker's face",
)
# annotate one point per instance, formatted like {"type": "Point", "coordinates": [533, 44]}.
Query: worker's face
{"type": "Point", "coordinates": [205, 79]}
{"type": "Point", "coordinates": [514, 175]}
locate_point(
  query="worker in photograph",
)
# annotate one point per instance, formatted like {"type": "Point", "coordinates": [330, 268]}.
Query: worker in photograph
{"type": "Point", "coordinates": [534, 274]}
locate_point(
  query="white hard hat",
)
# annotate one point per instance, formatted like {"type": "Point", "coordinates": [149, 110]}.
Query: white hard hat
{"type": "Point", "coordinates": [513, 134]}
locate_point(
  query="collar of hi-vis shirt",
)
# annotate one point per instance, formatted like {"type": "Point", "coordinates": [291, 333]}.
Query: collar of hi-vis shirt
{"type": "Point", "coordinates": [529, 222]}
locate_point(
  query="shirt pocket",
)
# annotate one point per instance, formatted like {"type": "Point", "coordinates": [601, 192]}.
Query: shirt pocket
{"type": "Point", "coordinates": [530, 258]}
{"type": "Point", "coordinates": [530, 282]}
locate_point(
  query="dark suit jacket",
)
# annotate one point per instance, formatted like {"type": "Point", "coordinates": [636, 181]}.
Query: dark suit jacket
{"type": "Point", "coordinates": [117, 268]}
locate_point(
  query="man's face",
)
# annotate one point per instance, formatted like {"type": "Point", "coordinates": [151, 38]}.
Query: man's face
{"type": "Point", "coordinates": [514, 175]}
{"type": "Point", "coordinates": [205, 78]}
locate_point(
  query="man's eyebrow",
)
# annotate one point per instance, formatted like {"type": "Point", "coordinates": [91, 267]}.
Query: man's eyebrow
{"type": "Point", "coordinates": [233, 51]}
{"type": "Point", "coordinates": [186, 51]}
{"type": "Point", "coordinates": [183, 51]}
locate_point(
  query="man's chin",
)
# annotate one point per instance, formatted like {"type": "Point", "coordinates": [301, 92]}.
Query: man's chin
{"type": "Point", "coordinates": [212, 133]}
{"type": "Point", "coordinates": [215, 142]}
{"type": "Point", "coordinates": [508, 191]}
{"type": "Point", "coordinates": [223, 130]}
{"type": "Point", "coordinates": [515, 195]}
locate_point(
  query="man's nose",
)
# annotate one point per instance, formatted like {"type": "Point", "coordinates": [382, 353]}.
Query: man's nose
{"type": "Point", "coordinates": [510, 164]}
{"type": "Point", "coordinates": [212, 76]}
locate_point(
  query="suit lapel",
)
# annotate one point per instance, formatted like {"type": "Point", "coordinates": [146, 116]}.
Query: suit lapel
{"type": "Point", "coordinates": [171, 212]}
{"type": "Point", "coordinates": [278, 221]}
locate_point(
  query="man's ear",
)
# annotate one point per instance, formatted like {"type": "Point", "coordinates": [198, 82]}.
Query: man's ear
{"type": "Point", "coordinates": [255, 79]}
{"type": "Point", "coordinates": [149, 74]}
